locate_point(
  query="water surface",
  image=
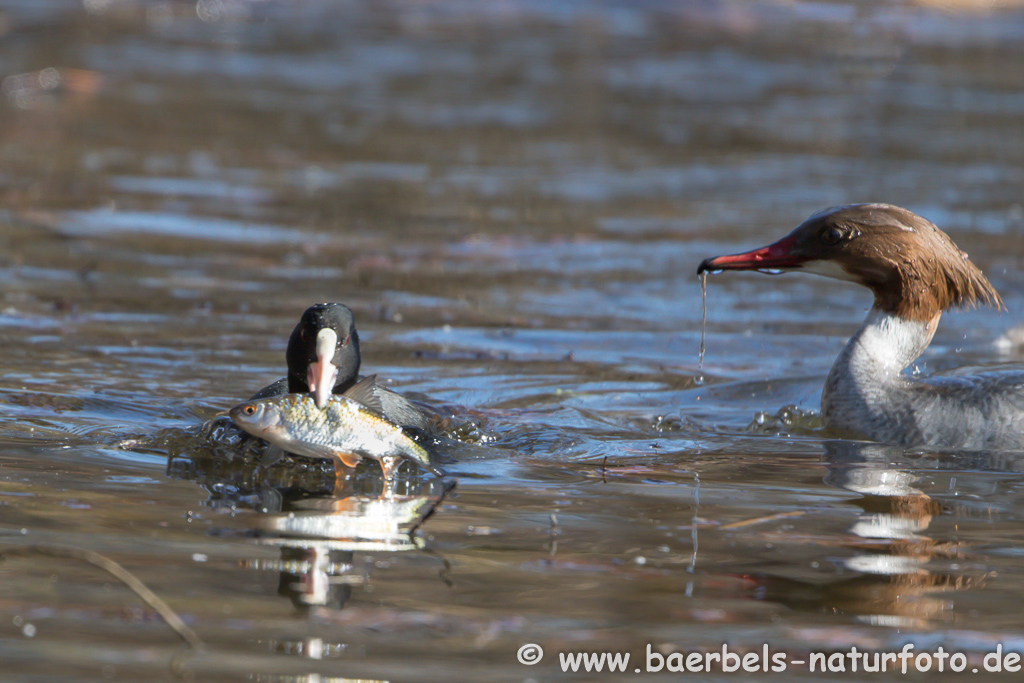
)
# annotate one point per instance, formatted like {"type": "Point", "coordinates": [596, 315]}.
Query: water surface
{"type": "Point", "coordinates": [513, 198]}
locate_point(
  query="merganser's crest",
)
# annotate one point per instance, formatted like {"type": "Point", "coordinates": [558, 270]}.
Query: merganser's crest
{"type": "Point", "coordinates": [914, 269]}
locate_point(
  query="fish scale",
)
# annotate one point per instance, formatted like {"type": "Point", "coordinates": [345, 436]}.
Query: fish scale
{"type": "Point", "coordinates": [344, 425]}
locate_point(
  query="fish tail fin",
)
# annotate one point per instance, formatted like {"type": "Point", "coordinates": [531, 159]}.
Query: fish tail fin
{"type": "Point", "coordinates": [418, 451]}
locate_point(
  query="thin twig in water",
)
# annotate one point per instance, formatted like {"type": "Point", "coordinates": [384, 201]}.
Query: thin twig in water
{"type": "Point", "coordinates": [121, 574]}
{"type": "Point", "coordinates": [761, 520]}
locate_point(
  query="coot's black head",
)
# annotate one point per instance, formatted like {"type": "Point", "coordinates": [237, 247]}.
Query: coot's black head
{"type": "Point", "coordinates": [323, 351]}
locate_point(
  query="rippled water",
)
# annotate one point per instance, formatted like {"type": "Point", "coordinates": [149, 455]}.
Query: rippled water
{"type": "Point", "coordinates": [513, 197]}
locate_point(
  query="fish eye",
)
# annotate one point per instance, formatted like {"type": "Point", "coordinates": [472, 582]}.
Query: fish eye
{"type": "Point", "coordinates": [249, 410]}
{"type": "Point", "coordinates": [833, 235]}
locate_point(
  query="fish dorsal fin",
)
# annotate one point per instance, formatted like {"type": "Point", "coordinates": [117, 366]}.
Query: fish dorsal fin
{"type": "Point", "coordinates": [365, 392]}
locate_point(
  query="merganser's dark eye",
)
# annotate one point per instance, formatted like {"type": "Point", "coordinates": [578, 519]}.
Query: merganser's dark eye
{"type": "Point", "coordinates": [833, 235]}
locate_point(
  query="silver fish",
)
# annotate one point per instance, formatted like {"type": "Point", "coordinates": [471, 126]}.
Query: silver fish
{"type": "Point", "coordinates": [345, 429]}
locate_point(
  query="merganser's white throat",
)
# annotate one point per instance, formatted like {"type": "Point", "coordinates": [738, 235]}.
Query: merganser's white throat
{"type": "Point", "coordinates": [915, 272]}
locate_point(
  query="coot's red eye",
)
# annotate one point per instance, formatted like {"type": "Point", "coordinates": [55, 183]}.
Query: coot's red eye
{"type": "Point", "coordinates": [347, 340]}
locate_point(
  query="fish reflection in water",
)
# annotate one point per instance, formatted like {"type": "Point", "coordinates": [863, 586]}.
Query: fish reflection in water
{"type": "Point", "coordinates": [317, 522]}
{"type": "Point", "coordinates": [319, 537]}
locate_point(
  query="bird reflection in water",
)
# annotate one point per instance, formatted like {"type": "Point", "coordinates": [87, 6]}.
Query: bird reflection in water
{"type": "Point", "coordinates": [894, 568]}
{"type": "Point", "coordinates": [904, 571]}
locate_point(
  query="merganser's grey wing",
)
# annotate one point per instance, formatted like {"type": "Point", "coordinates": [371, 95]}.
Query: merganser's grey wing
{"type": "Point", "coordinates": [986, 407]}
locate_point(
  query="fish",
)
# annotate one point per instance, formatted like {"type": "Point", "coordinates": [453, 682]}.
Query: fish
{"type": "Point", "coordinates": [347, 429]}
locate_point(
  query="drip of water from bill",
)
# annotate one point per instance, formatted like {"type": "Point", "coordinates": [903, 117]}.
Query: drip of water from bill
{"type": "Point", "coordinates": [703, 317]}
{"type": "Point", "coordinates": [693, 533]}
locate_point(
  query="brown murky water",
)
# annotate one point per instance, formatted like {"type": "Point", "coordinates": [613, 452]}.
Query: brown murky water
{"type": "Point", "coordinates": [513, 197]}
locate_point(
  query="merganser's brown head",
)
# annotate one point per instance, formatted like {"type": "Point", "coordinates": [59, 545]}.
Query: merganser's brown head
{"type": "Point", "coordinates": [914, 269]}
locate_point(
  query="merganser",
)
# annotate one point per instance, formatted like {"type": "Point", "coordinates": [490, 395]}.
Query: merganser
{"type": "Point", "coordinates": [915, 272]}
{"type": "Point", "coordinates": [323, 358]}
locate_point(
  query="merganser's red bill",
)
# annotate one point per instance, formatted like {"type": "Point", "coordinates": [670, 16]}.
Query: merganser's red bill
{"type": "Point", "coordinates": [774, 256]}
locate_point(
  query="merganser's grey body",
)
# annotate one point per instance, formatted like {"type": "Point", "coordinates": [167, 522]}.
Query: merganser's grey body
{"type": "Point", "coordinates": [915, 272]}
{"type": "Point", "coordinates": [866, 394]}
